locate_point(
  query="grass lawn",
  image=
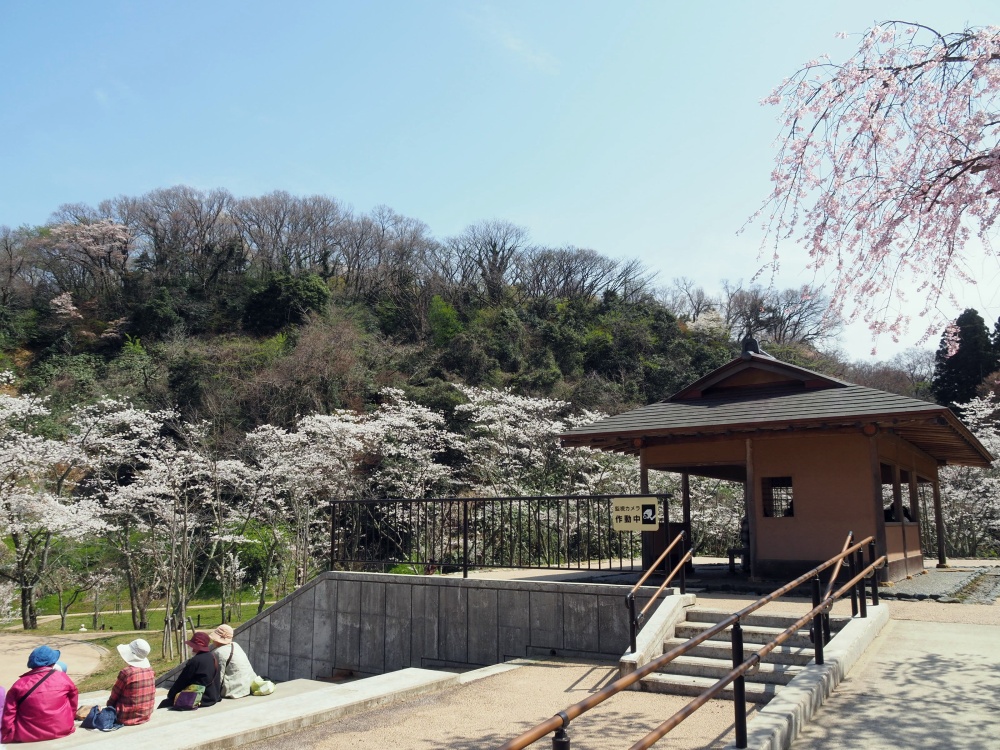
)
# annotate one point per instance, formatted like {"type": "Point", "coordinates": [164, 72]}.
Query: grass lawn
{"type": "Point", "coordinates": [207, 617]}
{"type": "Point", "coordinates": [104, 677]}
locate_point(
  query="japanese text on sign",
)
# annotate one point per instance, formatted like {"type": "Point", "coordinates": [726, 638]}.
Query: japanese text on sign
{"type": "Point", "coordinates": [634, 514]}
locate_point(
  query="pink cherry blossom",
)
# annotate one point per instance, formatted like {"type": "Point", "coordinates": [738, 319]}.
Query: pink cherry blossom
{"type": "Point", "coordinates": [889, 167]}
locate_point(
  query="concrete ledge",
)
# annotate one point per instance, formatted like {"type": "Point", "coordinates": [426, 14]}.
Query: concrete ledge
{"type": "Point", "coordinates": [232, 723]}
{"type": "Point", "coordinates": [478, 674]}
{"type": "Point", "coordinates": [659, 627]}
{"type": "Point", "coordinates": [777, 724]}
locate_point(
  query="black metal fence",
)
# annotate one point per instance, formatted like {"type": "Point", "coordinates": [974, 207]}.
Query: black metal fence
{"type": "Point", "coordinates": [450, 534]}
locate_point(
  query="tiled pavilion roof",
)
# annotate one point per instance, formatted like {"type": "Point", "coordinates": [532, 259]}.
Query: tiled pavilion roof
{"type": "Point", "coordinates": [756, 395]}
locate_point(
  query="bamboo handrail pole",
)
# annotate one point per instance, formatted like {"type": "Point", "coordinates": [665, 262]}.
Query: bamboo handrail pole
{"type": "Point", "coordinates": [872, 567]}
{"type": "Point", "coordinates": [839, 565]}
{"type": "Point", "coordinates": [687, 556]}
{"type": "Point", "coordinates": [754, 606]}
{"type": "Point", "coordinates": [656, 564]}
{"type": "Point", "coordinates": [526, 738]}
{"type": "Point", "coordinates": [650, 739]}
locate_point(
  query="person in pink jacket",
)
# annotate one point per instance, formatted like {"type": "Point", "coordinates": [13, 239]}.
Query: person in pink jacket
{"type": "Point", "coordinates": [41, 705]}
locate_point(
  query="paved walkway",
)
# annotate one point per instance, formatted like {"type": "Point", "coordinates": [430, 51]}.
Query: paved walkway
{"type": "Point", "coordinates": [81, 657]}
{"type": "Point", "coordinates": [921, 685]}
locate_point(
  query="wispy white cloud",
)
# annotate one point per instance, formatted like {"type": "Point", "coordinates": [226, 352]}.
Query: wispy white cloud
{"type": "Point", "coordinates": [497, 29]}
{"type": "Point", "coordinates": [536, 58]}
{"type": "Point", "coordinates": [113, 94]}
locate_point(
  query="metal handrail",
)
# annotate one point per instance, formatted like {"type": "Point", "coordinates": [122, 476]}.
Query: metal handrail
{"type": "Point", "coordinates": [561, 720]}
{"type": "Point", "coordinates": [635, 620]}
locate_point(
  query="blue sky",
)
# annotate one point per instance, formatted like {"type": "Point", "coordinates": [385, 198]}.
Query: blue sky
{"type": "Point", "coordinates": [633, 128]}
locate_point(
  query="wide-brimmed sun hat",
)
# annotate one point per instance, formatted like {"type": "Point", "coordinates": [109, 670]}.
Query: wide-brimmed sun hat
{"type": "Point", "coordinates": [200, 642]}
{"type": "Point", "coordinates": [223, 635]}
{"type": "Point", "coordinates": [135, 653]}
{"type": "Point", "coordinates": [42, 656]}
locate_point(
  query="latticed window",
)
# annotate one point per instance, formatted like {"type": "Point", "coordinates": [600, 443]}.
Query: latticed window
{"type": "Point", "coordinates": [777, 496]}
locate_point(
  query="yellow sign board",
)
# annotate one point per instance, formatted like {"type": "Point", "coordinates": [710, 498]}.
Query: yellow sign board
{"type": "Point", "coordinates": [634, 514]}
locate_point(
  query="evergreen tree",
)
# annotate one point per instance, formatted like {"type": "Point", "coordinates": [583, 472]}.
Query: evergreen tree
{"type": "Point", "coordinates": [958, 373]}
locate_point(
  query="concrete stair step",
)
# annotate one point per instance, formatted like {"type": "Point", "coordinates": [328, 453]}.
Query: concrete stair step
{"type": "Point", "coordinates": [791, 655]}
{"type": "Point", "coordinates": [751, 634]}
{"type": "Point", "coordinates": [697, 666]}
{"type": "Point", "coordinates": [673, 684]}
{"type": "Point", "coordinates": [779, 621]}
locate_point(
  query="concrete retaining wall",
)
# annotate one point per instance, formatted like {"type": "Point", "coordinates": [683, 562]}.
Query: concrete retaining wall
{"type": "Point", "coordinates": [371, 623]}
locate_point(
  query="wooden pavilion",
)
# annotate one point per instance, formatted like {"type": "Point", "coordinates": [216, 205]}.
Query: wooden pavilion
{"type": "Point", "coordinates": [818, 457]}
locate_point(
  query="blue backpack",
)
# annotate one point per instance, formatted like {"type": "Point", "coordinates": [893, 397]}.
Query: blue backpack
{"type": "Point", "coordinates": [104, 719]}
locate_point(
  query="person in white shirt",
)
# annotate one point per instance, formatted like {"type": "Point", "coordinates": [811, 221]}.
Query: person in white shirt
{"type": "Point", "coordinates": [237, 673]}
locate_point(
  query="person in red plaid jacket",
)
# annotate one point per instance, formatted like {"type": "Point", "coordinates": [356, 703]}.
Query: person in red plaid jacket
{"type": "Point", "coordinates": [134, 693]}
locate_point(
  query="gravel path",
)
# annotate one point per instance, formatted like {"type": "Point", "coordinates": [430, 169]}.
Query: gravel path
{"type": "Point", "coordinates": [488, 712]}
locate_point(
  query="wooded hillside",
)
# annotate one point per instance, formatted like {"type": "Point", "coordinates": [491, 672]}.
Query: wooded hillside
{"type": "Point", "coordinates": [251, 311]}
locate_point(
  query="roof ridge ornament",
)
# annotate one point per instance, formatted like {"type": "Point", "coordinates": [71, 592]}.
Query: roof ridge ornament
{"type": "Point", "coordinates": [752, 346]}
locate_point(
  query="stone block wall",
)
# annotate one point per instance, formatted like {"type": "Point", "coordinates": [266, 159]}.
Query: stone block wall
{"type": "Point", "coordinates": [371, 623]}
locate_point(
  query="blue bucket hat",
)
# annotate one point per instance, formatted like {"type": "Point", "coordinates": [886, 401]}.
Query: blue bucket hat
{"type": "Point", "coordinates": [43, 656]}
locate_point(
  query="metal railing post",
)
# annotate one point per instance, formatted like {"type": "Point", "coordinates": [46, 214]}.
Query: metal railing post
{"type": "Point", "coordinates": [871, 561]}
{"type": "Point", "coordinates": [818, 630]}
{"type": "Point", "coordinates": [854, 589]}
{"type": "Point", "coordinates": [633, 625]}
{"type": "Point", "coordinates": [465, 539]}
{"type": "Point", "coordinates": [560, 740]}
{"type": "Point", "coordinates": [859, 565]}
{"type": "Point", "coordinates": [683, 566]}
{"type": "Point", "coordinates": [739, 688]}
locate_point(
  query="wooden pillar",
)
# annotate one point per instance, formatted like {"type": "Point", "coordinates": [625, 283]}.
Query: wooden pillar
{"type": "Point", "coordinates": [880, 544]}
{"type": "Point", "coordinates": [686, 505]}
{"type": "Point", "coordinates": [897, 511]}
{"type": "Point", "coordinates": [686, 509]}
{"type": "Point", "coordinates": [749, 503]}
{"type": "Point", "coordinates": [911, 506]}
{"type": "Point", "coordinates": [939, 523]}
{"type": "Point", "coordinates": [649, 551]}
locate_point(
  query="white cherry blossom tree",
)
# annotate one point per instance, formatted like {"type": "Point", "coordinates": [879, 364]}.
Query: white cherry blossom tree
{"type": "Point", "coordinates": [37, 477]}
{"type": "Point", "coordinates": [122, 442]}
{"type": "Point", "coordinates": [292, 471]}
{"type": "Point", "coordinates": [970, 496]}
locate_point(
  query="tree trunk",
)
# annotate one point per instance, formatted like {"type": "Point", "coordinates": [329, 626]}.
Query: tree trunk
{"type": "Point", "coordinates": [29, 617]}
{"type": "Point", "coordinates": [138, 613]}
{"type": "Point", "coordinates": [62, 611]}
{"type": "Point", "coordinates": [223, 583]}
{"type": "Point", "coordinates": [265, 578]}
